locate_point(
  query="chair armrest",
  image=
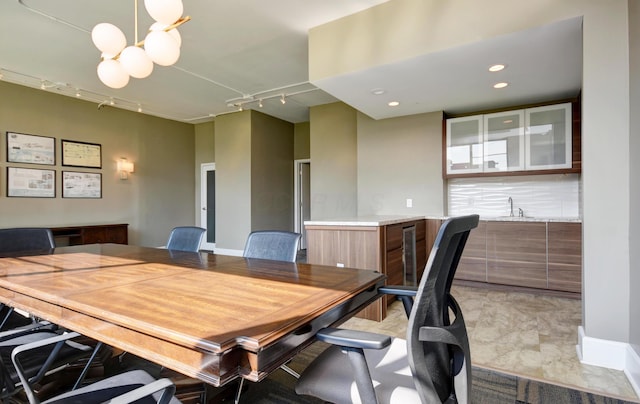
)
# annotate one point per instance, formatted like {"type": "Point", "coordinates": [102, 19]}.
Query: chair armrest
{"type": "Point", "coordinates": [147, 390]}
{"type": "Point", "coordinates": [59, 340]}
{"type": "Point", "coordinates": [404, 293]}
{"type": "Point", "coordinates": [353, 338]}
{"type": "Point", "coordinates": [398, 290]}
{"type": "Point", "coordinates": [27, 329]}
{"type": "Point", "coordinates": [353, 343]}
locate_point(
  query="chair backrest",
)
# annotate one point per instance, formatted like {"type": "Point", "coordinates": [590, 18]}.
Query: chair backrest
{"type": "Point", "coordinates": [26, 239]}
{"type": "Point", "coordinates": [436, 361]}
{"type": "Point", "coordinates": [272, 245]}
{"type": "Point", "coordinates": [186, 238]}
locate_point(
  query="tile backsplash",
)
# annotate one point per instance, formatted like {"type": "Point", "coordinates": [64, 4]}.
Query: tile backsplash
{"type": "Point", "coordinates": [542, 196]}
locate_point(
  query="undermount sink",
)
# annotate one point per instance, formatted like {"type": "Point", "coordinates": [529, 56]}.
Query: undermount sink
{"type": "Point", "coordinates": [513, 217]}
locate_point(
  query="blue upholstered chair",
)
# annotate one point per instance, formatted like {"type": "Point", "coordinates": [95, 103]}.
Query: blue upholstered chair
{"type": "Point", "coordinates": [276, 245]}
{"type": "Point", "coordinates": [186, 238]}
{"type": "Point", "coordinates": [433, 364]}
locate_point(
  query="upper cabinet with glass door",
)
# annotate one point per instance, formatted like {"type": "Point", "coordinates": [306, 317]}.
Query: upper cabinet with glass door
{"type": "Point", "coordinates": [532, 139]}
{"type": "Point", "coordinates": [504, 141]}
{"type": "Point", "coordinates": [548, 137]}
{"type": "Point", "coordinates": [464, 145]}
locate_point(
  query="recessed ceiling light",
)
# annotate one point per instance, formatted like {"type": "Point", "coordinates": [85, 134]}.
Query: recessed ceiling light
{"type": "Point", "coordinates": [394, 103]}
{"type": "Point", "coordinates": [378, 91]}
{"type": "Point", "coordinates": [496, 68]}
{"type": "Point", "coordinates": [500, 85]}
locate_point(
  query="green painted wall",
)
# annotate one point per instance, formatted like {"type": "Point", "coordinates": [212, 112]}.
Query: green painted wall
{"type": "Point", "coordinates": [157, 196]}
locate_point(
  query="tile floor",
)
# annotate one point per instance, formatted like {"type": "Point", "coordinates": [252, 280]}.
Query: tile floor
{"type": "Point", "coordinates": [524, 334]}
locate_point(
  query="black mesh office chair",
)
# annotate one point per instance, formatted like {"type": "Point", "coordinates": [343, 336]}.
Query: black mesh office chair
{"type": "Point", "coordinates": [22, 241]}
{"type": "Point", "coordinates": [433, 365]}
{"type": "Point", "coordinates": [132, 386]}
{"type": "Point", "coordinates": [276, 245]}
{"type": "Point", "coordinates": [186, 238]}
{"type": "Point", "coordinates": [43, 362]}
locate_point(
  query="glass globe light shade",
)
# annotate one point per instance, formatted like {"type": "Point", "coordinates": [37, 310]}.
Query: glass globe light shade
{"type": "Point", "coordinates": [135, 62]}
{"type": "Point", "coordinates": [112, 74]}
{"type": "Point", "coordinates": [164, 11]}
{"type": "Point", "coordinates": [108, 38]}
{"type": "Point", "coordinates": [162, 48]}
{"type": "Point", "coordinates": [157, 26]}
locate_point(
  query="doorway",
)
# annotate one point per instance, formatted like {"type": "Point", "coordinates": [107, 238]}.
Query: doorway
{"type": "Point", "coordinates": [208, 204]}
{"type": "Point", "coordinates": [302, 195]}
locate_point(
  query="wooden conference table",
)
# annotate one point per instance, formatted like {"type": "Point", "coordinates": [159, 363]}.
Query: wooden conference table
{"type": "Point", "coordinates": [212, 317]}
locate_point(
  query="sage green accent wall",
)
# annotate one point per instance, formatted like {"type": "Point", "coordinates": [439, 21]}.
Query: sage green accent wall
{"type": "Point", "coordinates": [254, 176]}
{"type": "Point", "coordinates": [301, 132]}
{"type": "Point", "coordinates": [333, 138]}
{"type": "Point", "coordinates": [272, 143]}
{"type": "Point", "coordinates": [157, 196]}
{"type": "Point", "coordinates": [233, 179]}
{"type": "Point", "coordinates": [204, 153]}
{"type": "Point", "coordinates": [400, 158]}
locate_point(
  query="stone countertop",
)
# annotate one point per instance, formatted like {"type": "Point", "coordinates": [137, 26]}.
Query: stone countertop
{"type": "Point", "coordinates": [518, 219]}
{"type": "Point", "coordinates": [373, 220]}
{"type": "Point", "coordinates": [384, 220]}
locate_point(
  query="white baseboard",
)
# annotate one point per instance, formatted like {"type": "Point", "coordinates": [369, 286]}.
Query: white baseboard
{"type": "Point", "coordinates": [610, 354]}
{"type": "Point", "coordinates": [601, 352]}
{"type": "Point", "coordinates": [225, 251]}
{"type": "Point", "coordinates": [632, 369]}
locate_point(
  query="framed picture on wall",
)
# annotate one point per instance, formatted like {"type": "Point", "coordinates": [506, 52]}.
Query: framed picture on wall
{"type": "Point", "coordinates": [81, 185]}
{"type": "Point", "coordinates": [31, 183]}
{"type": "Point", "coordinates": [81, 154]}
{"type": "Point", "coordinates": [32, 149]}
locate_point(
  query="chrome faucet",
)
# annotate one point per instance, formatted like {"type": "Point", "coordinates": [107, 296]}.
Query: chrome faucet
{"type": "Point", "coordinates": [520, 212]}
{"type": "Point", "coordinates": [510, 206]}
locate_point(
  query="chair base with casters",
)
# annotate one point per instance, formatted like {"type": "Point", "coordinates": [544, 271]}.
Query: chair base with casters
{"type": "Point", "coordinates": [433, 363]}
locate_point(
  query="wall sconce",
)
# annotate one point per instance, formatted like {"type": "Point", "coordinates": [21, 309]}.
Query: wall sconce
{"type": "Point", "coordinates": [125, 167]}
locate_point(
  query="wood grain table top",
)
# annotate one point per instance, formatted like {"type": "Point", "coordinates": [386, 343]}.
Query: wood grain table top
{"type": "Point", "coordinates": [208, 316]}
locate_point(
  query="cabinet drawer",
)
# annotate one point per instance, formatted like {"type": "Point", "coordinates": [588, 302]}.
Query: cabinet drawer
{"type": "Point", "coordinates": [565, 256]}
{"type": "Point", "coordinates": [517, 254]}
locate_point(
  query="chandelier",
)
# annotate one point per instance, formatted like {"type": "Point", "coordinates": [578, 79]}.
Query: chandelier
{"type": "Point", "coordinates": [161, 45]}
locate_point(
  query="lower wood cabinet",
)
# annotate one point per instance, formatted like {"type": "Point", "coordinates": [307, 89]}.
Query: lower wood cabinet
{"type": "Point", "coordinates": [541, 255]}
{"type": "Point", "coordinates": [473, 263]}
{"type": "Point", "coordinates": [517, 253]}
{"type": "Point", "coordinates": [565, 256]}
{"type": "Point", "coordinates": [379, 248]}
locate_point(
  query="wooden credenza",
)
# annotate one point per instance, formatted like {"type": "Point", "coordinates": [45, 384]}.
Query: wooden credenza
{"type": "Point", "coordinates": [91, 234]}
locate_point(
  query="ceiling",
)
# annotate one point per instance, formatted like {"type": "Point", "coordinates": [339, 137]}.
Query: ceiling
{"type": "Point", "coordinates": [254, 52]}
